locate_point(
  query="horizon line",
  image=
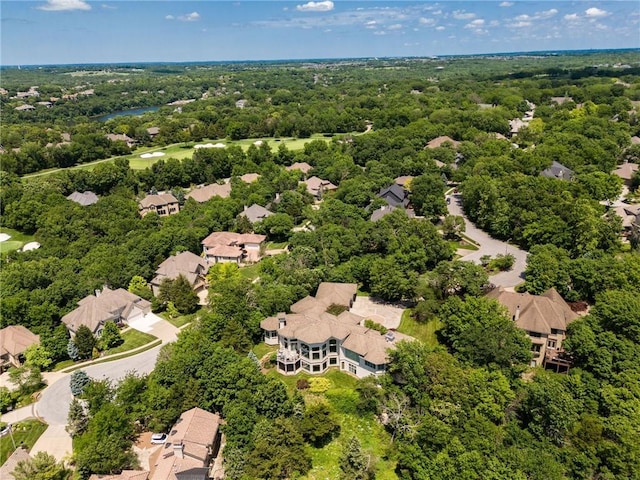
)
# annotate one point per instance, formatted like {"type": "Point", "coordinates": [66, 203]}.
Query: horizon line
{"type": "Point", "coordinates": [555, 52]}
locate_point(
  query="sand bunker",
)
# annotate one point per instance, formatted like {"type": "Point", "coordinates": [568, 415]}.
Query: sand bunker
{"type": "Point", "coordinates": [4, 237]}
{"type": "Point", "coordinates": [152, 155]}
{"type": "Point", "coordinates": [30, 246]}
{"type": "Point", "coordinates": [257, 143]}
{"type": "Point", "coordinates": [210, 145]}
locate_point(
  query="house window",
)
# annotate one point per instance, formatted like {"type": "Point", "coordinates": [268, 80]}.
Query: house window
{"type": "Point", "coordinates": [324, 366]}
{"type": "Point", "coordinates": [352, 369]}
{"type": "Point", "coordinates": [370, 365]}
{"type": "Point", "coordinates": [315, 353]}
{"type": "Point", "coordinates": [551, 344]}
{"type": "Point", "coordinates": [333, 361]}
{"type": "Point", "coordinates": [536, 348]}
{"type": "Point", "coordinates": [304, 350]}
{"type": "Point", "coordinates": [351, 355]}
{"type": "Point", "coordinates": [305, 366]}
{"type": "Point", "coordinates": [316, 368]}
{"type": "Point", "coordinates": [333, 345]}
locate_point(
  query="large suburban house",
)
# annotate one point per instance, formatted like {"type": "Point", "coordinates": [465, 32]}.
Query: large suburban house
{"type": "Point", "coordinates": [14, 341]}
{"type": "Point", "coordinates": [192, 444]}
{"type": "Point", "coordinates": [124, 475]}
{"type": "Point", "coordinates": [395, 196]}
{"type": "Point", "coordinates": [558, 171]}
{"type": "Point", "coordinates": [255, 213]}
{"type": "Point", "coordinates": [163, 204]}
{"type": "Point", "coordinates": [311, 339]}
{"type": "Point", "coordinates": [120, 137]}
{"type": "Point", "coordinates": [84, 199]}
{"type": "Point", "coordinates": [441, 141]}
{"type": "Point", "coordinates": [630, 215]}
{"type": "Point", "coordinates": [304, 167]}
{"type": "Point", "coordinates": [94, 311]}
{"type": "Point", "coordinates": [207, 192]}
{"type": "Point", "coordinates": [318, 187]}
{"type": "Point", "coordinates": [190, 266]}
{"type": "Point", "coordinates": [626, 171]}
{"type": "Point", "coordinates": [544, 318]}
{"type": "Point", "coordinates": [225, 247]}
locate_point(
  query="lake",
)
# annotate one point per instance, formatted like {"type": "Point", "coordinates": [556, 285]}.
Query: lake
{"type": "Point", "coordinates": [134, 111]}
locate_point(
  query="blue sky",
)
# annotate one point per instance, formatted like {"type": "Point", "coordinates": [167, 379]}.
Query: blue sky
{"type": "Point", "coordinates": [85, 31]}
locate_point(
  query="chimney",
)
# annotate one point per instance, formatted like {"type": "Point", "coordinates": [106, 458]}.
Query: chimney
{"type": "Point", "coordinates": [178, 450]}
{"type": "Point", "coordinates": [282, 320]}
{"type": "Point", "coordinates": [244, 208]}
{"type": "Point", "coordinates": [517, 315]}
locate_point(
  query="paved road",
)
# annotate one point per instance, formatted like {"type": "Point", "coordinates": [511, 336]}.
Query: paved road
{"type": "Point", "coordinates": [490, 246]}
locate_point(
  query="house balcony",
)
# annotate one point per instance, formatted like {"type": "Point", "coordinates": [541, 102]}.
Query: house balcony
{"type": "Point", "coordinates": [558, 360]}
{"type": "Point", "coordinates": [288, 361]}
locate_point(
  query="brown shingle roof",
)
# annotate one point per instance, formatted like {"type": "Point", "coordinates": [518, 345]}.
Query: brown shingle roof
{"type": "Point", "coordinates": [250, 177]}
{"type": "Point", "coordinates": [189, 265]}
{"type": "Point", "coordinates": [202, 194]}
{"type": "Point", "coordinates": [315, 185]}
{"type": "Point", "coordinates": [337, 293]}
{"type": "Point", "coordinates": [439, 141]}
{"type": "Point", "coordinates": [304, 167]}
{"type": "Point", "coordinates": [536, 313]}
{"type": "Point", "coordinates": [232, 239]}
{"type": "Point", "coordinates": [626, 170]}
{"type": "Point", "coordinates": [124, 475]}
{"type": "Point", "coordinates": [158, 200]}
{"type": "Point", "coordinates": [15, 339]}
{"type": "Point", "coordinates": [84, 199]}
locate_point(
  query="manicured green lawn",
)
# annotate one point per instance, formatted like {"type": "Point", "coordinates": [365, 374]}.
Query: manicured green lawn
{"type": "Point", "coordinates": [426, 332]}
{"type": "Point", "coordinates": [251, 272]}
{"type": "Point", "coordinates": [16, 241]}
{"type": "Point", "coordinates": [275, 245]}
{"type": "Point", "coordinates": [178, 321]}
{"type": "Point", "coordinates": [132, 339]}
{"type": "Point", "coordinates": [25, 433]}
{"type": "Point", "coordinates": [262, 349]}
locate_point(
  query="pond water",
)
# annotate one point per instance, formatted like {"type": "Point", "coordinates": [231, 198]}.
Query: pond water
{"type": "Point", "coordinates": [134, 111]}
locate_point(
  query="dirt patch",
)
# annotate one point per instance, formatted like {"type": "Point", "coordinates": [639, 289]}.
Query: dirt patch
{"type": "Point", "coordinates": [144, 440]}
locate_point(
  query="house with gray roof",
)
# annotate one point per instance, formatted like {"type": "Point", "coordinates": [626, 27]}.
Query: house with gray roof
{"type": "Point", "coordinates": [118, 306]}
{"type": "Point", "coordinates": [255, 213]}
{"type": "Point", "coordinates": [84, 199]}
{"type": "Point", "coordinates": [558, 171]}
{"type": "Point", "coordinates": [315, 337]}
{"type": "Point", "coordinates": [395, 196]}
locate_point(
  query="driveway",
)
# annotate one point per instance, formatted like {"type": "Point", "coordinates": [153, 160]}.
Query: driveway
{"type": "Point", "coordinates": [53, 405]}
{"type": "Point", "coordinates": [490, 246]}
{"type": "Point", "coordinates": [386, 314]}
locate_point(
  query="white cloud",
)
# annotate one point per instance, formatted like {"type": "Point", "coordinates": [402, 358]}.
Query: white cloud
{"type": "Point", "coordinates": [325, 6]}
{"type": "Point", "coordinates": [521, 24]}
{"type": "Point", "coordinates": [462, 15]}
{"type": "Point", "coordinates": [440, 28]}
{"type": "Point", "coordinates": [371, 22]}
{"type": "Point", "coordinates": [595, 12]}
{"type": "Point", "coordinates": [426, 21]}
{"type": "Point", "coordinates": [572, 17]}
{"type": "Point", "coordinates": [108, 7]}
{"type": "Point", "coordinates": [395, 26]}
{"type": "Point", "coordinates": [547, 13]}
{"type": "Point", "coordinates": [190, 17]}
{"type": "Point", "coordinates": [169, 17]}
{"type": "Point", "coordinates": [380, 32]}
{"type": "Point", "coordinates": [600, 26]}
{"type": "Point", "coordinates": [64, 5]}
{"type": "Point", "coordinates": [506, 4]}
{"type": "Point", "coordinates": [478, 22]}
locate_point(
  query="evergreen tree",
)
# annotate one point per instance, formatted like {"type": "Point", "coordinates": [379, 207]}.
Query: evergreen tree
{"type": "Point", "coordinates": [72, 350]}
{"type": "Point", "coordinates": [110, 336]}
{"type": "Point", "coordinates": [77, 420]}
{"type": "Point", "coordinates": [354, 463]}
{"type": "Point", "coordinates": [79, 379]}
{"type": "Point", "coordinates": [85, 341]}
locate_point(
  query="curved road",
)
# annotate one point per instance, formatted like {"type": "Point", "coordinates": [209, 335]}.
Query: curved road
{"type": "Point", "coordinates": [53, 405]}
{"type": "Point", "coordinates": [490, 246]}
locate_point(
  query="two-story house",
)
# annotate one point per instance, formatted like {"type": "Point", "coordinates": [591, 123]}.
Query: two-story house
{"type": "Point", "coordinates": [544, 318]}
{"type": "Point", "coordinates": [190, 266]}
{"type": "Point", "coordinates": [14, 341]}
{"type": "Point", "coordinates": [225, 247]}
{"type": "Point", "coordinates": [193, 442]}
{"type": "Point", "coordinates": [321, 333]}
{"type": "Point", "coordinates": [118, 306]}
{"type": "Point", "coordinates": [163, 204]}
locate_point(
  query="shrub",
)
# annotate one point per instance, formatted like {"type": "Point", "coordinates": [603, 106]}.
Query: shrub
{"type": "Point", "coordinates": [502, 262]}
{"type": "Point", "coordinates": [375, 326]}
{"type": "Point", "coordinates": [79, 379]}
{"type": "Point", "coordinates": [302, 384]}
{"type": "Point", "coordinates": [319, 385]}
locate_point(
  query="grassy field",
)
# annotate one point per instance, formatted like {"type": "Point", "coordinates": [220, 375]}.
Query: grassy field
{"type": "Point", "coordinates": [132, 339]}
{"type": "Point", "coordinates": [426, 332]}
{"type": "Point", "coordinates": [25, 433]}
{"type": "Point", "coordinates": [16, 241]}
{"type": "Point", "coordinates": [181, 151]}
{"type": "Point", "coordinates": [251, 272]}
{"type": "Point", "coordinates": [341, 395]}
{"type": "Point", "coordinates": [262, 349]}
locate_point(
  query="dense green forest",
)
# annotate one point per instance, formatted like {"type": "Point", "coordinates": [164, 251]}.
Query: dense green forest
{"type": "Point", "coordinates": [467, 407]}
